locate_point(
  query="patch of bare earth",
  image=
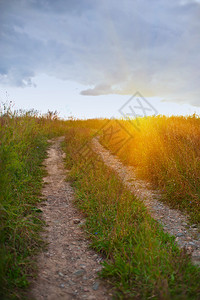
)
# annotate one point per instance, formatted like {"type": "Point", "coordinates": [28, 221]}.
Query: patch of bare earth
{"type": "Point", "coordinates": [68, 268]}
{"type": "Point", "coordinates": [174, 222]}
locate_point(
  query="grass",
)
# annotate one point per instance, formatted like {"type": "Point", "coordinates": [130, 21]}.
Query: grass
{"type": "Point", "coordinates": [142, 262]}
{"type": "Point", "coordinates": [23, 144]}
{"type": "Point", "coordinates": [165, 151]}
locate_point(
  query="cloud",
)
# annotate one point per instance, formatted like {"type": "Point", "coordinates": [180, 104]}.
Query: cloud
{"type": "Point", "coordinates": [151, 47]}
{"type": "Point", "coordinates": [101, 89]}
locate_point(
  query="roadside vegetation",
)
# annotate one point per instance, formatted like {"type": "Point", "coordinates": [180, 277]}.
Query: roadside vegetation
{"type": "Point", "coordinates": [23, 144]}
{"type": "Point", "coordinates": [165, 151]}
{"type": "Point", "coordinates": [142, 262]}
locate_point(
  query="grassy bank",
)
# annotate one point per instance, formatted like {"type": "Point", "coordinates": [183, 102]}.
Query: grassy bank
{"type": "Point", "coordinates": [23, 144]}
{"type": "Point", "coordinates": [165, 151]}
{"type": "Point", "coordinates": [143, 261]}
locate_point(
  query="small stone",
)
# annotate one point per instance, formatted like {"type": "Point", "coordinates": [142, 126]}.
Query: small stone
{"type": "Point", "coordinates": [62, 285]}
{"type": "Point", "coordinates": [79, 273]}
{"type": "Point", "coordinates": [194, 225]}
{"type": "Point", "coordinates": [71, 282]}
{"type": "Point", "coordinates": [60, 274]}
{"type": "Point", "coordinates": [189, 249]}
{"type": "Point", "coordinates": [76, 221]}
{"type": "Point", "coordinates": [192, 244]}
{"type": "Point", "coordinates": [95, 286]}
{"type": "Point", "coordinates": [179, 234]}
{"type": "Point", "coordinates": [83, 266]}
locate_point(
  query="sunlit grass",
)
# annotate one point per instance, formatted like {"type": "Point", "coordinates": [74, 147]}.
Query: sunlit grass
{"type": "Point", "coordinates": [165, 152]}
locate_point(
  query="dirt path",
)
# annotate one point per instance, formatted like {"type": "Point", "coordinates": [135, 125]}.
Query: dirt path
{"type": "Point", "coordinates": [173, 221]}
{"type": "Point", "coordinates": [68, 268]}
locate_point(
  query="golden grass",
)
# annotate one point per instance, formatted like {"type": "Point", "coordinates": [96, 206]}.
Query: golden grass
{"type": "Point", "coordinates": [166, 152]}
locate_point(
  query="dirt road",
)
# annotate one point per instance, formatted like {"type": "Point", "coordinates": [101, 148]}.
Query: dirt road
{"type": "Point", "coordinates": [68, 268]}
{"type": "Point", "coordinates": [174, 221]}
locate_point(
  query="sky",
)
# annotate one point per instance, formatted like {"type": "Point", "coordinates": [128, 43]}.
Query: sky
{"type": "Point", "coordinates": [88, 58]}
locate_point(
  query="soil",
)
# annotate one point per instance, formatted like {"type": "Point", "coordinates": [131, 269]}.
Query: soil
{"type": "Point", "coordinates": [68, 268]}
{"type": "Point", "coordinates": [174, 222]}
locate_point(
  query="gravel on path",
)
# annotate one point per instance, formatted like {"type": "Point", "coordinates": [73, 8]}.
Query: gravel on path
{"type": "Point", "coordinates": [68, 268]}
{"type": "Point", "coordinates": [174, 222]}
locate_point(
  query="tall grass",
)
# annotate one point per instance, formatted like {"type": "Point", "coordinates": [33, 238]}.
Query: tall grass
{"type": "Point", "coordinates": [142, 262]}
{"type": "Point", "coordinates": [166, 152]}
{"type": "Point", "coordinates": [23, 144]}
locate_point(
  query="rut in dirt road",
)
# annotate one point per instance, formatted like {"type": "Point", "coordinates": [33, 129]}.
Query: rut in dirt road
{"type": "Point", "coordinates": [68, 268]}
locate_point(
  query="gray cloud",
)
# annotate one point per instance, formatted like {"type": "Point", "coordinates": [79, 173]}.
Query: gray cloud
{"type": "Point", "coordinates": [101, 89]}
{"type": "Point", "coordinates": [117, 47]}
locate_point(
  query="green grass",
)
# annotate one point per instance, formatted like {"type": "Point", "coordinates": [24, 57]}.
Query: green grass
{"type": "Point", "coordinates": [142, 262]}
{"type": "Point", "coordinates": [23, 144]}
{"type": "Point", "coordinates": [21, 153]}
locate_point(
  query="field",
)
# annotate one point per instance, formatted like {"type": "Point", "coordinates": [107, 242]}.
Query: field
{"type": "Point", "coordinates": [142, 261]}
{"type": "Point", "coordinates": [166, 153]}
